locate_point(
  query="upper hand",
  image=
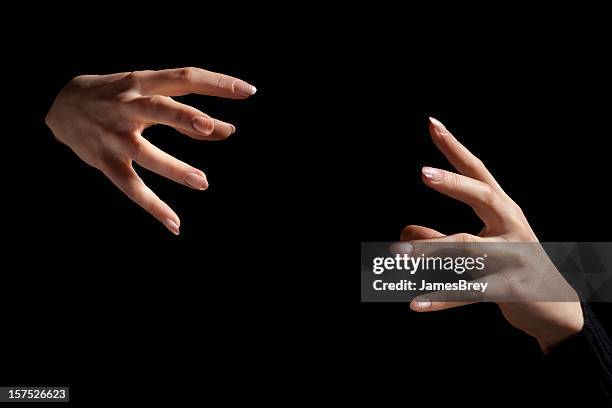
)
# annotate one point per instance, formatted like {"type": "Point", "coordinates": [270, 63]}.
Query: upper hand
{"type": "Point", "coordinates": [101, 118]}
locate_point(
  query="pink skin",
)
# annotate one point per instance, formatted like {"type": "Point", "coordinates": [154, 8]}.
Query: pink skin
{"type": "Point", "coordinates": [549, 322]}
{"type": "Point", "coordinates": [102, 117]}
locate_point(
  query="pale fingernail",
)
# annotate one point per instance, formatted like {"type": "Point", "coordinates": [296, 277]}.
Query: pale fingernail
{"type": "Point", "coordinates": [422, 304]}
{"type": "Point", "coordinates": [437, 124]}
{"type": "Point", "coordinates": [172, 226]}
{"type": "Point", "coordinates": [196, 180]}
{"type": "Point", "coordinates": [403, 248]}
{"type": "Point", "coordinates": [432, 174]}
{"type": "Point", "coordinates": [242, 88]}
{"type": "Point", "coordinates": [203, 125]}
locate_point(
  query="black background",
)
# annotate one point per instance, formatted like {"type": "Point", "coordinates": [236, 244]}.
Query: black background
{"type": "Point", "coordinates": [253, 300]}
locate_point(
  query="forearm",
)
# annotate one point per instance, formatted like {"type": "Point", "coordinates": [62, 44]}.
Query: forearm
{"type": "Point", "coordinates": [588, 354]}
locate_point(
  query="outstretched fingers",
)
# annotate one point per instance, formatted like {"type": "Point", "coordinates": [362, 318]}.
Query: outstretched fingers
{"type": "Point", "coordinates": [458, 155]}
{"type": "Point", "coordinates": [182, 81]}
{"type": "Point", "coordinates": [184, 118]}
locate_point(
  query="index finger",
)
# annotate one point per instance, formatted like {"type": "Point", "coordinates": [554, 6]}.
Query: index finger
{"type": "Point", "coordinates": [183, 81]}
{"type": "Point", "coordinates": [458, 155]}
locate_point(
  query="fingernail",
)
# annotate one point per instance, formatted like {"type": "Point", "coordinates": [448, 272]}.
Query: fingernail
{"type": "Point", "coordinates": [242, 88]}
{"type": "Point", "coordinates": [432, 174]}
{"type": "Point", "coordinates": [196, 180]}
{"type": "Point", "coordinates": [437, 124]}
{"type": "Point", "coordinates": [407, 248]}
{"type": "Point", "coordinates": [422, 304]}
{"type": "Point", "coordinates": [172, 226]}
{"type": "Point", "coordinates": [403, 248]}
{"type": "Point", "coordinates": [233, 129]}
{"type": "Point", "coordinates": [203, 125]}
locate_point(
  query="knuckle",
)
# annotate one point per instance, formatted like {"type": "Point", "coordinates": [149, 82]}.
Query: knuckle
{"type": "Point", "coordinates": [516, 209]}
{"type": "Point", "coordinates": [148, 205]}
{"type": "Point", "coordinates": [466, 243]}
{"type": "Point", "coordinates": [463, 238]}
{"type": "Point", "coordinates": [221, 80]}
{"type": "Point", "coordinates": [131, 190]}
{"type": "Point", "coordinates": [478, 165]}
{"type": "Point", "coordinates": [489, 197]}
{"type": "Point", "coordinates": [514, 287]}
{"type": "Point", "coordinates": [515, 222]}
{"type": "Point", "coordinates": [186, 74]}
{"type": "Point", "coordinates": [133, 80]}
{"type": "Point", "coordinates": [151, 104]}
{"type": "Point", "coordinates": [183, 116]}
{"type": "Point", "coordinates": [121, 98]}
{"type": "Point", "coordinates": [516, 216]}
{"type": "Point", "coordinates": [129, 88]}
{"type": "Point", "coordinates": [154, 101]}
{"type": "Point", "coordinates": [135, 146]}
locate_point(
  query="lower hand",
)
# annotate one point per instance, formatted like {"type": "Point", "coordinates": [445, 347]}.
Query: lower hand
{"type": "Point", "coordinates": [549, 322]}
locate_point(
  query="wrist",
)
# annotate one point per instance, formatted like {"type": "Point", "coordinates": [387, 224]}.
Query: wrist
{"type": "Point", "coordinates": [571, 325]}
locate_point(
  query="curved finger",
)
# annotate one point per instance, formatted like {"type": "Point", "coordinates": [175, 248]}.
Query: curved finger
{"type": "Point", "coordinates": [222, 131]}
{"type": "Point", "coordinates": [481, 290]}
{"type": "Point", "coordinates": [418, 232]}
{"type": "Point", "coordinates": [478, 195]}
{"type": "Point", "coordinates": [182, 81]}
{"type": "Point", "coordinates": [465, 243]}
{"type": "Point", "coordinates": [426, 305]}
{"type": "Point", "coordinates": [160, 162]}
{"type": "Point", "coordinates": [127, 180]}
{"type": "Point", "coordinates": [458, 155]}
{"type": "Point", "coordinates": [166, 111]}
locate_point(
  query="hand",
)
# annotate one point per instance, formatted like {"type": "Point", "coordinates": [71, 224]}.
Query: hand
{"type": "Point", "coordinates": [101, 118]}
{"type": "Point", "coordinates": [549, 322]}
